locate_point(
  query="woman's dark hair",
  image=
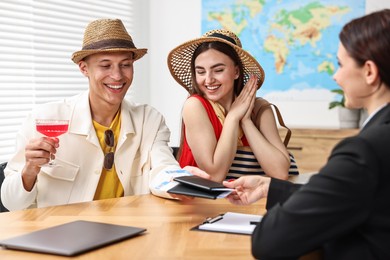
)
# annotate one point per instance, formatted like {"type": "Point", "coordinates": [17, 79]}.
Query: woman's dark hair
{"type": "Point", "coordinates": [368, 38]}
{"type": "Point", "coordinates": [225, 49]}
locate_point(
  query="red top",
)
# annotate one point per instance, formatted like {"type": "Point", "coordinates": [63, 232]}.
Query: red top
{"type": "Point", "coordinates": [186, 157]}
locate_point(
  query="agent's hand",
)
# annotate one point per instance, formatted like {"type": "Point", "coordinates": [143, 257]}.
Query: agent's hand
{"type": "Point", "coordinates": [37, 153]}
{"type": "Point", "coordinates": [248, 189]}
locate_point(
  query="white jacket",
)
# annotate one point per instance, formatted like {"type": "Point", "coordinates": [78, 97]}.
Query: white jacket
{"type": "Point", "coordinates": [142, 154]}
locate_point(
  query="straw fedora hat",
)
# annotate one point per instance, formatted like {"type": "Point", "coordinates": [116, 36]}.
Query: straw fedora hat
{"type": "Point", "coordinates": [106, 35]}
{"type": "Point", "coordinates": [179, 59]}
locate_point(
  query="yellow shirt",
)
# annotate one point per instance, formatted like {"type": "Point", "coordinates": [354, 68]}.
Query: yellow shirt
{"type": "Point", "coordinates": [109, 185]}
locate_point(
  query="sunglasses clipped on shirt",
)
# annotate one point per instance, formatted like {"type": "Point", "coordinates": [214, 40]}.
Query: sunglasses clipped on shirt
{"type": "Point", "coordinates": [109, 157]}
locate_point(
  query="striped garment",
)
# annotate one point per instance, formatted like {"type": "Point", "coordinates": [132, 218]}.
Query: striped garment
{"type": "Point", "coordinates": [245, 163]}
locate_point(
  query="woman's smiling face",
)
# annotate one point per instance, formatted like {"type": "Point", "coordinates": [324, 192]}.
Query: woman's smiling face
{"type": "Point", "coordinates": [215, 73]}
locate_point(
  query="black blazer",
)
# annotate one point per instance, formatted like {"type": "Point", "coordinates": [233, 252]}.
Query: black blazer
{"type": "Point", "coordinates": [344, 210]}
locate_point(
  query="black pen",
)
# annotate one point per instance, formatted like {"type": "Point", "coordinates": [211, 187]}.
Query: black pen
{"type": "Point", "coordinates": [254, 222]}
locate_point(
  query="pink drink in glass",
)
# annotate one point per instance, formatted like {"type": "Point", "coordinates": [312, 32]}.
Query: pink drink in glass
{"type": "Point", "coordinates": [52, 130]}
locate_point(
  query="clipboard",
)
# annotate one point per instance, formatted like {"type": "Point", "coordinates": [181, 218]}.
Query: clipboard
{"type": "Point", "coordinates": [230, 222]}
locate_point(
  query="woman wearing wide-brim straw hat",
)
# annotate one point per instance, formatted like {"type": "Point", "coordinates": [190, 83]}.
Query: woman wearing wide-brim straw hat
{"type": "Point", "coordinates": [222, 118]}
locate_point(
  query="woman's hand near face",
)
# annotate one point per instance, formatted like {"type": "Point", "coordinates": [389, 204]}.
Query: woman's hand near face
{"type": "Point", "coordinates": [248, 114]}
{"type": "Point", "coordinates": [243, 104]}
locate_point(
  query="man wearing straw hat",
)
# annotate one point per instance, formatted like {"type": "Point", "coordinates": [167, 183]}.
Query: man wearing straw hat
{"type": "Point", "coordinates": [112, 148]}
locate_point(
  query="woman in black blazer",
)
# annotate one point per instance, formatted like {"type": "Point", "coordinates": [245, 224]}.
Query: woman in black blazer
{"type": "Point", "coordinates": [345, 209]}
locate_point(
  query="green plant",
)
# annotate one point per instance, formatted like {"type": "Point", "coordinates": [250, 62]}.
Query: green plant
{"type": "Point", "coordinates": [340, 102]}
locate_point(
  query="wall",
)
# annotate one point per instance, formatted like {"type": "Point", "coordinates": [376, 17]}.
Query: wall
{"type": "Point", "coordinates": [174, 21]}
{"type": "Point", "coordinates": [140, 90]}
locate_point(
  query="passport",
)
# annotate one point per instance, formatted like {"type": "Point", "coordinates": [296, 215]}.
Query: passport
{"type": "Point", "coordinates": [196, 186]}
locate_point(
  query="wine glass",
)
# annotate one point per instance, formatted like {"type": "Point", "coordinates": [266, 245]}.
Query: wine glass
{"type": "Point", "coordinates": [51, 128]}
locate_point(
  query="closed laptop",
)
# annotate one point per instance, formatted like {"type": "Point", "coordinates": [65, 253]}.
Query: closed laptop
{"type": "Point", "coordinates": [71, 238]}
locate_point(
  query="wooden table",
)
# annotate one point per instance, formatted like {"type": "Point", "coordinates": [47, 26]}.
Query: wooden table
{"type": "Point", "coordinates": [168, 224]}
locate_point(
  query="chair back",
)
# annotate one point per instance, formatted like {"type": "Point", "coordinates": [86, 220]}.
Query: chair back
{"type": "Point", "coordinates": [2, 167]}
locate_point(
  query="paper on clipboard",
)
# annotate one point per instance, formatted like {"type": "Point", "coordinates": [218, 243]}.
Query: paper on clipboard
{"type": "Point", "coordinates": [231, 222]}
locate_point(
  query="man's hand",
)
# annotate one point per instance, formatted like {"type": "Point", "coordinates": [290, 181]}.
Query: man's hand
{"type": "Point", "coordinates": [248, 189]}
{"type": "Point", "coordinates": [37, 153]}
{"type": "Point", "coordinates": [196, 171]}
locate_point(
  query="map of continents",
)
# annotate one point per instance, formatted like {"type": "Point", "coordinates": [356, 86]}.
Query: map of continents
{"type": "Point", "coordinates": [295, 41]}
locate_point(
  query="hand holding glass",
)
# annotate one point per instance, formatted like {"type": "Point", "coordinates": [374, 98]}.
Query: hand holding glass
{"type": "Point", "coordinates": [51, 128]}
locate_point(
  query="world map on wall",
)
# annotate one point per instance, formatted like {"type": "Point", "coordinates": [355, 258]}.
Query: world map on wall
{"type": "Point", "coordinates": [296, 42]}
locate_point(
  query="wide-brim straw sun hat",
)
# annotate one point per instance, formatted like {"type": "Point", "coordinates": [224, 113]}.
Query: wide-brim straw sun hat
{"type": "Point", "coordinates": [107, 35]}
{"type": "Point", "coordinates": [179, 59]}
